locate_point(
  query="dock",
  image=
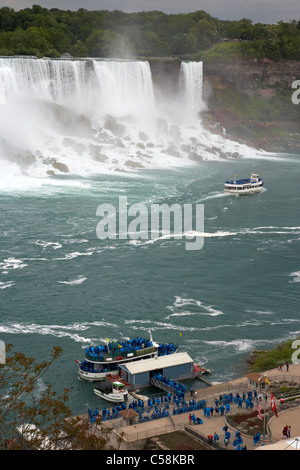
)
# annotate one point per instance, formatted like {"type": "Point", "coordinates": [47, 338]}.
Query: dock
{"type": "Point", "coordinates": [198, 374]}
{"type": "Point", "coordinates": [200, 377]}
{"type": "Point", "coordinates": [162, 386]}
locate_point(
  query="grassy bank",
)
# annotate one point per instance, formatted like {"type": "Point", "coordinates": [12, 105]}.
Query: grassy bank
{"type": "Point", "coordinates": [266, 360]}
{"type": "Point", "coordinates": [262, 117]}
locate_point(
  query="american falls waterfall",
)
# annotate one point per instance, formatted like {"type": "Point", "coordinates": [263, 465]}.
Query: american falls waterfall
{"type": "Point", "coordinates": [86, 117]}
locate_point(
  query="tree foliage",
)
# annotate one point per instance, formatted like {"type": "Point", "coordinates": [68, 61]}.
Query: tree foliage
{"type": "Point", "coordinates": [266, 360]}
{"type": "Point", "coordinates": [51, 32]}
{"type": "Point", "coordinates": [45, 416]}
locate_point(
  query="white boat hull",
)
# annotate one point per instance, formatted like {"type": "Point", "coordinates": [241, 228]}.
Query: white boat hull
{"type": "Point", "coordinates": [92, 376]}
{"type": "Point", "coordinates": [243, 192]}
{"type": "Point", "coordinates": [101, 361]}
{"type": "Point", "coordinates": [112, 397]}
{"type": "Point", "coordinates": [243, 187]}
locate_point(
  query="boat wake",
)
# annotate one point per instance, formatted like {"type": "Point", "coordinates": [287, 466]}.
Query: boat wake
{"type": "Point", "coordinates": [75, 282]}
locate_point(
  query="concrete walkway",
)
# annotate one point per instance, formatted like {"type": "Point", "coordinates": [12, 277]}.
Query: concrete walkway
{"type": "Point", "coordinates": [216, 423]}
{"type": "Point", "coordinates": [290, 418]}
{"type": "Point", "coordinates": [210, 426]}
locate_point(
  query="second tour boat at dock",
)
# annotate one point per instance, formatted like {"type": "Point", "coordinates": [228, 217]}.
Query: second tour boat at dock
{"type": "Point", "coordinates": [114, 392]}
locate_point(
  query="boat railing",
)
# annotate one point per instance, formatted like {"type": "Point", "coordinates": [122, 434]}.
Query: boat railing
{"type": "Point", "coordinates": [118, 354]}
{"type": "Point", "coordinates": [244, 181]}
{"type": "Point", "coordinates": [115, 353]}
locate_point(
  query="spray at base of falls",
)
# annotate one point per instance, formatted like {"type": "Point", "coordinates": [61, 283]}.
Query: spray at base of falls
{"type": "Point", "coordinates": [89, 116]}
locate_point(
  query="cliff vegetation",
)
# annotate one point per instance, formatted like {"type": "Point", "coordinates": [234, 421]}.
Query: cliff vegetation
{"type": "Point", "coordinates": [265, 360]}
{"type": "Point", "coordinates": [52, 32]}
{"type": "Point", "coordinates": [248, 68]}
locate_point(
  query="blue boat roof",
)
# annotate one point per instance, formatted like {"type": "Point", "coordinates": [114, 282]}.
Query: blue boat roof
{"type": "Point", "coordinates": [243, 181]}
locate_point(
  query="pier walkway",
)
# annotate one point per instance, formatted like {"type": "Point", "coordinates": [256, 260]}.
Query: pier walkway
{"type": "Point", "coordinates": [137, 433]}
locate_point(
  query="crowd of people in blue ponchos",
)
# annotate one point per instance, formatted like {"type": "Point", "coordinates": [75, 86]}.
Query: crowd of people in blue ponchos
{"type": "Point", "coordinates": [160, 407]}
{"type": "Point", "coordinates": [117, 348]}
{"type": "Point", "coordinates": [166, 348]}
{"type": "Point", "coordinates": [122, 348]}
{"type": "Point", "coordinates": [87, 366]}
{"type": "Point", "coordinates": [98, 416]}
{"type": "Point", "coordinates": [175, 387]}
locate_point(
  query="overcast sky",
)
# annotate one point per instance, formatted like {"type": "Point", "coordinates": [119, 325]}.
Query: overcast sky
{"type": "Point", "coordinates": [260, 11]}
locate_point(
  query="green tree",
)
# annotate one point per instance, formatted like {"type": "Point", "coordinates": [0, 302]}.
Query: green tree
{"type": "Point", "coordinates": [58, 37]}
{"type": "Point", "coordinates": [78, 49]}
{"type": "Point", "coordinates": [205, 32]}
{"type": "Point", "coordinates": [242, 29]}
{"type": "Point", "coordinates": [100, 43]}
{"type": "Point", "coordinates": [32, 41]}
{"type": "Point", "coordinates": [7, 19]}
{"type": "Point", "coordinates": [154, 33]}
{"type": "Point", "coordinates": [183, 44]}
{"type": "Point", "coordinates": [49, 414]}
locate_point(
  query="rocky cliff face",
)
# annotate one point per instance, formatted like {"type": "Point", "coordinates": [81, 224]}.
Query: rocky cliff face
{"type": "Point", "coordinates": [251, 100]}
{"type": "Point", "coordinates": [253, 74]}
{"type": "Point", "coordinates": [165, 76]}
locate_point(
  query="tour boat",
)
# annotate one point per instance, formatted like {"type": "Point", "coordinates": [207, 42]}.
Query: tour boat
{"type": "Point", "coordinates": [104, 359]}
{"type": "Point", "coordinates": [251, 185]}
{"type": "Point", "coordinates": [114, 392]}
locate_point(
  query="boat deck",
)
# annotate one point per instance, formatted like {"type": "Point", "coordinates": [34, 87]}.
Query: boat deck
{"type": "Point", "coordinates": [114, 378]}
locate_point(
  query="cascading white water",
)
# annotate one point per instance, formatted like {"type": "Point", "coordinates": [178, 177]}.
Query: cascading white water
{"type": "Point", "coordinates": [58, 109]}
{"type": "Point", "coordinates": [92, 116]}
{"type": "Point", "coordinates": [191, 84]}
{"type": "Point", "coordinates": [125, 87]}
{"type": "Point", "coordinates": [48, 79]}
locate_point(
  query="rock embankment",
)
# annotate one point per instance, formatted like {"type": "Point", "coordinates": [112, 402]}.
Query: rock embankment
{"type": "Point", "coordinates": [250, 101]}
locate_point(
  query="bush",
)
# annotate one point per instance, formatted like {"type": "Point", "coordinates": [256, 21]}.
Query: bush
{"type": "Point", "coordinates": [271, 359]}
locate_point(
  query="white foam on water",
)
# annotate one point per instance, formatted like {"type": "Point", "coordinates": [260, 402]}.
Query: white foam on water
{"type": "Point", "coordinates": [12, 263]}
{"type": "Point", "coordinates": [44, 330]}
{"type": "Point", "coordinates": [202, 308]}
{"type": "Point", "coordinates": [44, 244]}
{"type": "Point", "coordinates": [74, 254]}
{"type": "Point", "coordinates": [5, 285]}
{"type": "Point", "coordinates": [74, 282]}
{"type": "Point", "coordinates": [239, 345]}
{"type": "Point", "coordinates": [181, 314]}
{"type": "Point", "coordinates": [59, 331]}
{"type": "Point", "coordinates": [296, 276]}
{"type": "Point", "coordinates": [75, 240]}
{"type": "Point", "coordinates": [86, 117]}
{"type": "Point", "coordinates": [214, 195]}
{"type": "Point", "coordinates": [189, 235]}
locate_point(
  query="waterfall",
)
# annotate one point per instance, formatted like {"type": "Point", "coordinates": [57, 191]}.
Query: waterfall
{"type": "Point", "coordinates": [91, 116]}
{"type": "Point", "coordinates": [126, 87]}
{"type": "Point", "coordinates": [119, 87]}
{"type": "Point", "coordinates": [191, 84]}
{"type": "Point", "coordinates": [73, 110]}
{"type": "Point", "coordinates": [50, 79]}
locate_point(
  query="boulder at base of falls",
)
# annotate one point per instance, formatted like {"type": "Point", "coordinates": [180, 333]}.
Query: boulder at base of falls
{"type": "Point", "coordinates": [111, 123]}
{"type": "Point", "coordinates": [132, 164]}
{"type": "Point", "coordinates": [58, 165]}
